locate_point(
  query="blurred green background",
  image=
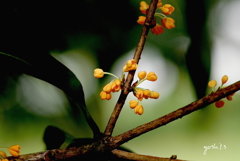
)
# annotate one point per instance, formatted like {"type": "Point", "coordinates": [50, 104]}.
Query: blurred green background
{"type": "Point", "coordinates": [203, 46]}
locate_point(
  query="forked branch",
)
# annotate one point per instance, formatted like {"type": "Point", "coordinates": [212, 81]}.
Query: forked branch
{"type": "Point", "coordinates": [127, 85]}
{"type": "Point", "coordinates": [194, 106]}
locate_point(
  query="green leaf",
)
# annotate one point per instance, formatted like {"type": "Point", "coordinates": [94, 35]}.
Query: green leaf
{"type": "Point", "coordinates": [47, 68]}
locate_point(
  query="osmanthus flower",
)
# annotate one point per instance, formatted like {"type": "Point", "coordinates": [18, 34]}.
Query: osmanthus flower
{"type": "Point", "coordinates": [130, 65]}
{"type": "Point", "coordinates": [98, 73]}
{"type": "Point", "coordinates": [166, 22]}
{"type": "Point", "coordinates": [116, 85]}
{"type": "Point", "coordinates": [139, 110]}
{"type": "Point", "coordinates": [158, 29]}
{"type": "Point", "coordinates": [154, 95]}
{"type": "Point", "coordinates": [13, 150]}
{"type": "Point", "coordinates": [133, 103]}
{"type": "Point", "coordinates": [4, 160]}
{"type": "Point", "coordinates": [141, 93]}
{"type": "Point", "coordinates": [213, 83]}
{"type": "Point", "coordinates": [151, 76]}
{"type": "Point", "coordinates": [105, 96]}
{"type": "Point", "coordinates": [136, 105]}
{"type": "Point", "coordinates": [3, 155]}
{"type": "Point", "coordinates": [143, 7]}
{"type": "Point", "coordinates": [167, 9]}
{"type": "Point", "coordinates": [142, 75]}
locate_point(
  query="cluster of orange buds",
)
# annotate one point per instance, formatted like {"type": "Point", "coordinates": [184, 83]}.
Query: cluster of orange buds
{"type": "Point", "coordinates": [116, 85]}
{"type": "Point", "coordinates": [141, 93]}
{"type": "Point", "coordinates": [213, 83]}
{"type": "Point", "coordinates": [13, 150]}
{"type": "Point", "coordinates": [166, 22]}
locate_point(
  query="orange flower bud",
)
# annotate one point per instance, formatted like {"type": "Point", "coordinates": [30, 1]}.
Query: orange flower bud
{"type": "Point", "coordinates": [212, 83]}
{"type": "Point", "coordinates": [116, 85]}
{"type": "Point", "coordinates": [130, 65]}
{"type": "Point", "coordinates": [139, 94]}
{"type": "Point", "coordinates": [143, 7]}
{"type": "Point", "coordinates": [139, 110]}
{"type": "Point", "coordinates": [151, 76]}
{"type": "Point", "coordinates": [168, 22]}
{"type": "Point", "coordinates": [158, 29]}
{"type": "Point", "coordinates": [105, 96]}
{"type": "Point", "coordinates": [146, 93]}
{"type": "Point", "coordinates": [3, 155]}
{"type": "Point", "coordinates": [154, 95]}
{"type": "Point", "coordinates": [167, 9]}
{"type": "Point", "coordinates": [141, 20]}
{"type": "Point", "coordinates": [159, 4]}
{"type": "Point", "coordinates": [229, 98]}
{"type": "Point", "coordinates": [219, 103]}
{"type": "Point", "coordinates": [142, 75]}
{"type": "Point", "coordinates": [14, 150]}
{"type": "Point", "coordinates": [107, 88]}
{"type": "Point", "coordinates": [133, 103]}
{"type": "Point", "coordinates": [224, 79]}
{"type": "Point", "coordinates": [98, 73]}
{"type": "Point", "coordinates": [4, 160]}
{"type": "Point", "coordinates": [133, 67]}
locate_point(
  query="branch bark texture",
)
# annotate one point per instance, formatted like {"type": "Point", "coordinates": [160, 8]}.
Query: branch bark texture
{"type": "Point", "coordinates": [127, 85]}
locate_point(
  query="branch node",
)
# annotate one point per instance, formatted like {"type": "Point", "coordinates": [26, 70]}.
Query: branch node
{"type": "Point", "coordinates": [173, 157]}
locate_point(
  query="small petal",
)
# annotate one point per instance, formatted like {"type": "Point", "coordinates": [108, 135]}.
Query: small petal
{"type": "Point", "coordinates": [154, 95]}
{"type": "Point", "coordinates": [14, 150]}
{"type": "Point", "coordinates": [168, 22]}
{"type": "Point", "coordinates": [139, 94]}
{"type": "Point", "coordinates": [141, 20]}
{"type": "Point", "coordinates": [151, 76]}
{"type": "Point", "coordinates": [143, 7]}
{"type": "Point", "coordinates": [142, 74]}
{"type": "Point", "coordinates": [116, 85]}
{"type": "Point", "coordinates": [159, 4]}
{"type": "Point", "coordinates": [133, 103]}
{"type": "Point", "coordinates": [139, 110]}
{"type": "Point", "coordinates": [167, 9]}
{"type": "Point", "coordinates": [130, 65]}
{"type": "Point", "coordinates": [157, 30]}
{"type": "Point", "coordinates": [105, 96]}
{"type": "Point", "coordinates": [146, 93]}
{"type": "Point", "coordinates": [107, 88]}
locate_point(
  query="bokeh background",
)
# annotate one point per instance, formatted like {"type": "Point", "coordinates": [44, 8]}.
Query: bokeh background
{"type": "Point", "coordinates": [90, 34]}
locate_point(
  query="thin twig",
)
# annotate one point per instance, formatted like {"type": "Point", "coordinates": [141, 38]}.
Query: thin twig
{"type": "Point", "coordinates": [127, 85]}
{"type": "Point", "coordinates": [139, 157]}
{"type": "Point", "coordinates": [194, 106]}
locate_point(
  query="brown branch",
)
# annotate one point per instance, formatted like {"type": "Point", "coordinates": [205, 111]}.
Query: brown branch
{"type": "Point", "coordinates": [107, 143]}
{"type": "Point", "coordinates": [139, 157]}
{"type": "Point", "coordinates": [194, 106]}
{"type": "Point", "coordinates": [127, 85]}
